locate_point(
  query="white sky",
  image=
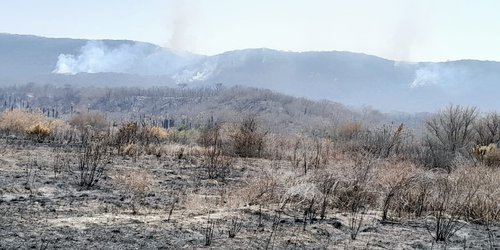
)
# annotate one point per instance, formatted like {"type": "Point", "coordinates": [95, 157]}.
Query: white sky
{"type": "Point", "coordinates": [410, 30]}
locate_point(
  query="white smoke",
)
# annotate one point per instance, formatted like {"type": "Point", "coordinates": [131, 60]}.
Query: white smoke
{"type": "Point", "coordinates": [132, 58]}
{"type": "Point", "coordinates": [425, 76]}
{"type": "Point", "coordinates": [440, 74]}
{"type": "Point", "coordinates": [200, 72]}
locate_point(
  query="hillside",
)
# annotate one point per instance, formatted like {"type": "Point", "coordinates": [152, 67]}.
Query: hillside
{"type": "Point", "coordinates": [190, 106]}
{"type": "Point", "coordinates": [349, 78]}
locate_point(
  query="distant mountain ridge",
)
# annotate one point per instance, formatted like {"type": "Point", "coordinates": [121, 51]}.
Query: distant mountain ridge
{"type": "Point", "coordinates": [350, 78]}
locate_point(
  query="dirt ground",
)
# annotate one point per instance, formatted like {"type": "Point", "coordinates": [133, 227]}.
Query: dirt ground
{"type": "Point", "coordinates": [43, 207]}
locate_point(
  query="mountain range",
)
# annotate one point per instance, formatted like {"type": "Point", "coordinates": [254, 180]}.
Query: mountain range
{"type": "Point", "coordinates": [351, 78]}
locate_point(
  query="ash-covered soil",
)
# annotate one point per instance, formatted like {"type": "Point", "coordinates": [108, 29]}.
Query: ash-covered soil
{"type": "Point", "coordinates": [43, 207]}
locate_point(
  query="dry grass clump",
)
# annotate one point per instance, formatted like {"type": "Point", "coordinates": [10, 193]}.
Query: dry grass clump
{"type": "Point", "coordinates": [18, 121]}
{"type": "Point", "coordinates": [268, 187]}
{"type": "Point", "coordinates": [132, 149]}
{"type": "Point", "coordinates": [94, 120]}
{"type": "Point", "coordinates": [199, 203]}
{"type": "Point", "coordinates": [303, 152]}
{"type": "Point", "coordinates": [481, 188]}
{"type": "Point", "coordinates": [131, 135]}
{"type": "Point", "coordinates": [127, 134]}
{"type": "Point", "coordinates": [393, 180]}
{"type": "Point", "coordinates": [182, 135]}
{"type": "Point", "coordinates": [356, 182]}
{"type": "Point", "coordinates": [348, 130]}
{"type": "Point", "coordinates": [491, 158]}
{"type": "Point", "coordinates": [179, 151]}
{"type": "Point", "coordinates": [136, 184]}
{"type": "Point", "coordinates": [53, 129]}
{"type": "Point", "coordinates": [35, 125]}
{"type": "Point", "coordinates": [398, 189]}
{"type": "Point", "coordinates": [58, 127]}
{"type": "Point", "coordinates": [157, 133]}
{"type": "Point", "coordinates": [39, 132]}
{"type": "Point", "coordinates": [172, 150]}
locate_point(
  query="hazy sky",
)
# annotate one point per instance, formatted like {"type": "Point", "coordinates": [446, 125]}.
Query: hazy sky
{"type": "Point", "coordinates": [410, 30]}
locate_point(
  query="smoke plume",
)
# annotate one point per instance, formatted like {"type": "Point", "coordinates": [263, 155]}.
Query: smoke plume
{"type": "Point", "coordinates": [182, 16]}
{"type": "Point", "coordinates": [446, 76]}
{"type": "Point", "coordinates": [132, 58]}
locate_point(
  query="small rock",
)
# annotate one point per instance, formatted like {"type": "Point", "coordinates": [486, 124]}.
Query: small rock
{"type": "Point", "coordinates": [336, 224]}
{"type": "Point", "coordinates": [370, 230]}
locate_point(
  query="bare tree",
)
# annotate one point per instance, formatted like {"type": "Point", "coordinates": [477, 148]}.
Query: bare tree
{"type": "Point", "coordinates": [488, 129]}
{"type": "Point", "coordinates": [449, 133]}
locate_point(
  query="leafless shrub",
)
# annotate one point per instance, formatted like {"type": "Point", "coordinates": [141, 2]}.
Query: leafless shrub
{"type": "Point", "coordinates": [262, 189]}
{"type": "Point", "coordinates": [277, 147]}
{"type": "Point", "coordinates": [209, 231]}
{"type": "Point", "coordinates": [91, 163]}
{"type": "Point", "coordinates": [44, 244]}
{"type": "Point", "coordinates": [88, 125]}
{"type": "Point", "coordinates": [218, 166]}
{"type": "Point", "coordinates": [355, 194]}
{"type": "Point", "coordinates": [61, 161]}
{"type": "Point", "coordinates": [136, 184]}
{"type": "Point", "coordinates": [320, 153]}
{"type": "Point", "coordinates": [447, 205]}
{"type": "Point", "coordinates": [31, 169]}
{"type": "Point", "coordinates": [248, 139]}
{"type": "Point", "coordinates": [327, 184]}
{"type": "Point", "coordinates": [215, 162]}
{"type": "Point", "coordinates": [274, 227]}
{"type": "Point", "coordinates": [133, 140]}
{"type": "Point", "coordinates": [415, 195]}
{"type": "Point", "coordinates": [127, 134]}
{"type": "Point", "coordinates": [310, 152]}
{"type": "Point", "coordinates": [210, 135]}
{"type": "Point", "coordinates": [303, 196]}
{"type": "Point", "coordinates": [361, 197]}
{"type": "Point", "coordinates": [385, 141]}
{"type": "Point", "coordinates": [353, 190]}
{"type": "Point", "coordinates": [173, 203]}
{"type": "Point", "coordinates": [235, 226]}
{"type": "Point", "coordinates": [356, 220]}
{"type": "Point", "coordinates": [180, 153]}
{"type": "Point", "coordinates": [296, 145]}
